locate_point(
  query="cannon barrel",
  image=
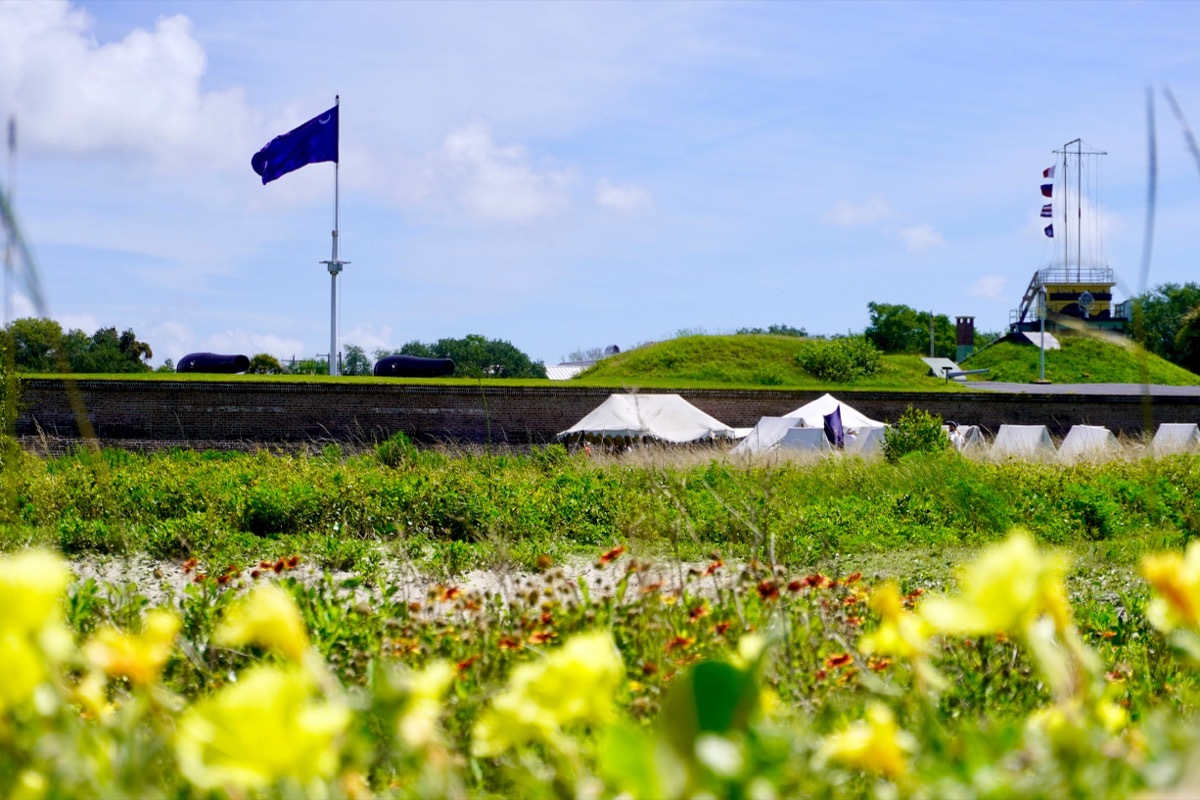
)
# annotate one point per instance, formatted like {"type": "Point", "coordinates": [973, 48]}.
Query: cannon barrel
{"type": "Point", "coordinates": [215, 363]}
{"type": "Point", "coordinates": [413, 367]}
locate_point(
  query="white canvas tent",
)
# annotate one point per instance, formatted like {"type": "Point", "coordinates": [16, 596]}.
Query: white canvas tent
{"type": "Point", "coordinates": [810, 440]}
{"type": "Point", "coordinates": [1176, 437]}
{"type": "Point", "coordinates": [1088, 442]}
{"type": "Point", "coordinates": [1023, 441]}
{"type": "Point", "coordinates": [968, 437]}
{"type": "Point", "coordinates": [814, 413]}
{"type": "Point", "coordinates": [766, 435]}
{"type": "Point", "coordinates": [866, 441]}
{"type": "Point", "coordinates": [665, 417]}
{"type": "Point", "coordinates": [769, 433]}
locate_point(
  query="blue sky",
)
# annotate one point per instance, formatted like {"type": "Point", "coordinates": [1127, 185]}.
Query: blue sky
{"type": "Point", "coordinates": [573, 175]}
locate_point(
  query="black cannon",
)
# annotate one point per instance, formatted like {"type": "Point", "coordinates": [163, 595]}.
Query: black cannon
{"type": "Point", "coordinates": [413, 367]}
{"type": "Point", "coordinates": [214, 363]}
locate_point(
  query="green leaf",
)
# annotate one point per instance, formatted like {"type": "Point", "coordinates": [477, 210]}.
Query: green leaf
{"type": "Point", "coordinates": [713, 697]}
{"type": "Point", "coordinates": [626, 756]}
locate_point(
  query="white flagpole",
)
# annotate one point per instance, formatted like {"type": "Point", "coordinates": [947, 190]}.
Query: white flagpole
{"type": "Point", "coordinates": [335, 264]}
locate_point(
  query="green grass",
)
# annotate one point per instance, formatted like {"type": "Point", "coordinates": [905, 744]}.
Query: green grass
{"type": "Point", "coordinates": [1082, 359]}
{"type": "Point", "coordinates": [746, 361]}
{"type": "Point", "coordinates": [766, 362]}
{"type": "Point", "coordinates": [452, 513]}
{"type": "Point", "coordinates": [358, 380]}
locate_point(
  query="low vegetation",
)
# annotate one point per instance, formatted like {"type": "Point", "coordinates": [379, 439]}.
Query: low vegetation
{"type": "Point", "coordinates": [1082, 359]}
{"type": "Point", "coordinates": [758, 361]}
{"type": "Point", "coordinates": [450, 513]}
{"type": "Point", "coordinates": [753, 681]}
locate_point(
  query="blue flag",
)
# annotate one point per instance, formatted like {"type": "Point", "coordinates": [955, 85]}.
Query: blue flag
{"type": "Point", "coordinates": [833, 429]}
{"type": "Point", "coordinates": [314, 141]}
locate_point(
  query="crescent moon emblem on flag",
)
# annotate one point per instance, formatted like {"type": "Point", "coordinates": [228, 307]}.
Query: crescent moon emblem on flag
{"type": "Point", "coordinates": [326, 120]}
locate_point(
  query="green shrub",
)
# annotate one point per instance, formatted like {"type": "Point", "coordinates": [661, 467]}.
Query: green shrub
{"type": "Point", "coordinates": [549, 457]}
{"type": "Point", "coordinates": [396, 451]}
{"type": "Point", "coordinates": [916, 431]}
{"type": "Point", "coordinates": [841, 360]}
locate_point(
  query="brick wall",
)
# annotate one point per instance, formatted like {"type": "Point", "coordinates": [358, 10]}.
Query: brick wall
{"type": "Point", "coordinates": [240, 414]}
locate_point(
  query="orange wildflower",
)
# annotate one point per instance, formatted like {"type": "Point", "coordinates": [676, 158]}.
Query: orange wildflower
{"type": "Point", "coordinates": [768, 590]}
{"type": "Point", "coordinates": [680, 643]}
{"type": "Point", "coordinates": [838, 661]}
{"type": "Point", "coordinates": [541, 637]}
{"type": "Point", "coordinates": [817, 581]}
{"type": "Point", "coordinates": [611, 555]}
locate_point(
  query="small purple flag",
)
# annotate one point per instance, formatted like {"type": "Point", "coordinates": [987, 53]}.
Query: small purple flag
{"type": "Point", "coordinates": [1049, 231]}
{"type": "Point", "coordinates": [833, 429]}
{"type": "Point", "coordinates": [1046, 211]}
{"type": "Point", "coordinates": [1047, 189]}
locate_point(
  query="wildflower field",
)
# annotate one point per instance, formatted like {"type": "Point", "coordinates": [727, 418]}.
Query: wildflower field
{"type": "Point", "coordinates": [688, 627]}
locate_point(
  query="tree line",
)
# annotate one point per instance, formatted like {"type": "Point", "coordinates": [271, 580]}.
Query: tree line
{"type": "Point", "coordinates": [1166, 320]}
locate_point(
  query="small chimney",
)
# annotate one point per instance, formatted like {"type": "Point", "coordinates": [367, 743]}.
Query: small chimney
{"type": "Point", "coordinates": [965, 329]}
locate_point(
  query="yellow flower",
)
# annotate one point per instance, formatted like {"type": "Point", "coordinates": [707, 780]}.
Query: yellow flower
{"type": "Point", "coordinates": [267, 727]}
{"type": "Point", "coordinates": [572, 685]}
{"type": "Point", "coordinates": [267, 617]}
{"type": "Point", "coordinates": [92, 695]}
{"type": "Point", "coordinates": [22, 669]}
{"type": "Point", "coordinates": [32, 634]}
{"type": "Point", "coordinates": [1006, 590]}
{"type": "Point", "coordinates": [30, 785]}
{"type": "Point", "coordinates": [901, 633]}
{"type": "Point", "coordinates": [1176, 583]}
{"type": "Point", "coordinates": [874, 745]}
{"type": "Point", "coordinates": [31, 591]}
{"type": "Point", "coordinates": [138, 657]}
{"type": "Point", "coordinates": [418, 723]}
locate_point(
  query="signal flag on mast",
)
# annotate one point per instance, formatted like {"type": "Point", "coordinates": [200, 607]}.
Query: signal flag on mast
{"type": "Point", "coordinates": [1048, 172]}
{"type": "Point", "coordinates": [314, 141]}
{"type": "Point", "coordinates": [1049, 230]}
{"type": "Point", "coordinates": [1047, 211]}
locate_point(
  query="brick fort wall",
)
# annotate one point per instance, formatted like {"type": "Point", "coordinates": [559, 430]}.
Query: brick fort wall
{"type": "Point", "coordinates": [242, 414]}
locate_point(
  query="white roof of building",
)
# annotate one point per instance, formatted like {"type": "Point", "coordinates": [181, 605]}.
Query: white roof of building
{"type": "Point", "coordinates": [567, 370]}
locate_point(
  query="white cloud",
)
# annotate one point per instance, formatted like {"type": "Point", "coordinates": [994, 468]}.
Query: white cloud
{"type": "Point", "coordinates": [847, 214]}
{"type": "Point", "coordinates": [920, 238]}
{"type": "Point", "coordinates": [623, 199]}
{"type": "Point", "coordinates": [169, 340]}
{"type": "Point", "coordinates": [82, 321]}
{"type": "Point", "coordinates": [251, 344]}
{"type": "Point", "coordinates": [990, 287]}
{"type": "Point", "coordinates": [494, 183]}
{"type": "Point", "coordinates": [369, 338]}
{"type": "Point", "coordinates": [73, 95]}
{"type": "Point", "coordinates": [22, 306]}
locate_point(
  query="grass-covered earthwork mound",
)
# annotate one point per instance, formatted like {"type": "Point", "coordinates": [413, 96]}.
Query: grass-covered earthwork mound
{"type": "Point", "coordinates": [1082, 359]}
{"type": "Point", "coordinates": [750, 361]}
